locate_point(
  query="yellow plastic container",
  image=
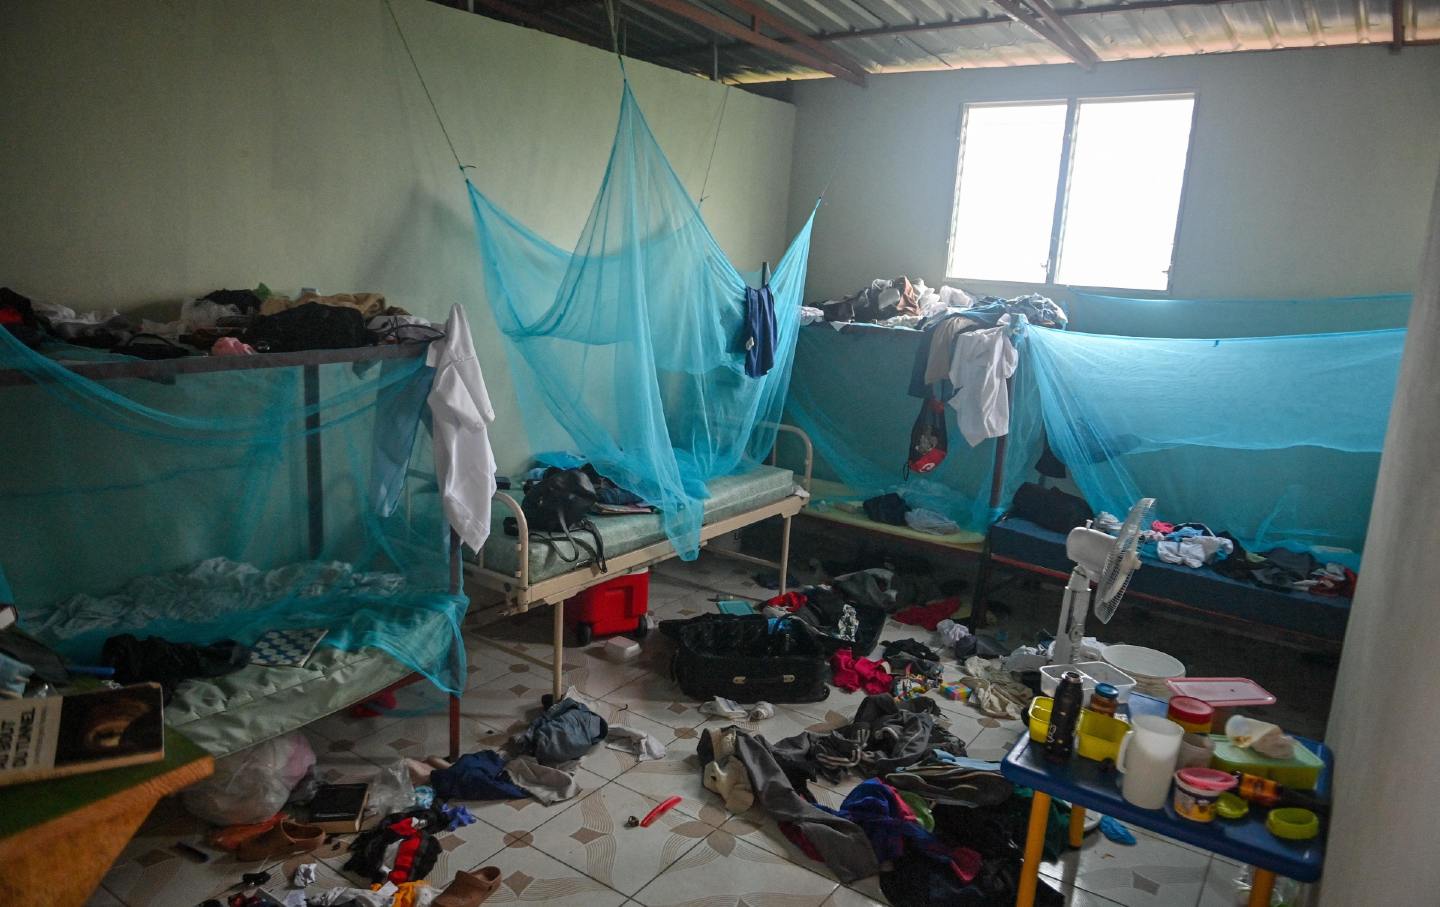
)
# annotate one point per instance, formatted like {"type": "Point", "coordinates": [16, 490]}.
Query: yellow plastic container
{"type": "Point", "coordinates": [1040, 709]}
{"type": "Point", "coordinates": [1099, 736]}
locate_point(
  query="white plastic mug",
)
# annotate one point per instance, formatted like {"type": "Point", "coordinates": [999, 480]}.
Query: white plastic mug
{"type": "Point", "coordinates": [1147, 759]}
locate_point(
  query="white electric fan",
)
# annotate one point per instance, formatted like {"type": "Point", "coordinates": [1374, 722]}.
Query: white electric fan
{"type": "Point", "coordinates": [1106, 560]}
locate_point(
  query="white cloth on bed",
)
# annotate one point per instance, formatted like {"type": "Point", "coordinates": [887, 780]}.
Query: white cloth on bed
{"type": "Point", "coordinates": [461, 414]}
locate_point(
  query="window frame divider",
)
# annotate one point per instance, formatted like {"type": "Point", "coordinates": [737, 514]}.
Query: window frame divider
{"type": "Point", "coordinates": [1062, 189]}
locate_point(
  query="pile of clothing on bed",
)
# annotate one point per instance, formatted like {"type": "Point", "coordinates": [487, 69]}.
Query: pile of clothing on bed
{"type": "Point", "coordinates": [1194, 545]}
{"type": "Point", "coordinates": [223, 323]}
{"type": "Point", "coordinates": [937, 826]}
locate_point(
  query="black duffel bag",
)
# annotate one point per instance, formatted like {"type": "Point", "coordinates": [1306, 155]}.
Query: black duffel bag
{"type": "Point", "coordinates": [748, 658]}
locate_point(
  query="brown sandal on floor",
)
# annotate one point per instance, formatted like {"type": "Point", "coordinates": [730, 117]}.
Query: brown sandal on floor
{"type": "Point", "coordinates": [284, 839]}
{"type": "Point", "coordinates": [469, 888]}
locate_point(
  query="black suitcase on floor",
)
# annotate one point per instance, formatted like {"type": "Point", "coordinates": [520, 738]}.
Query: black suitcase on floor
{"type": "Point", "coordinates": [748, 658]}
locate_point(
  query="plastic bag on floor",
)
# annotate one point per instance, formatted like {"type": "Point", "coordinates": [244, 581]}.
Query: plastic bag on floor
{"type": "Point", "coordinates": [392, 791]}
{"type": "Point", "coordinates": [253, 784]}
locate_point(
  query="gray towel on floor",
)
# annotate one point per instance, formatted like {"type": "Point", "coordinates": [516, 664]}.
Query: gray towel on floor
{"type": "Point", "coordinates": [842, 843]}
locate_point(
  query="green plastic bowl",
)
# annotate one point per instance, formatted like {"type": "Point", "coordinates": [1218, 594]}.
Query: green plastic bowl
{"type": "Point", "coordinates": [1229, 806]}
{"type": "Point", "coordinates": [1293, 824]}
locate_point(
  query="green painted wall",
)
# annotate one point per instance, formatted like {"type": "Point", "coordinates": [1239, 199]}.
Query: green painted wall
{"type": "Point", "coordinates": [155, 151]}
{"type": "Point", "coordinates": [1310, 176]}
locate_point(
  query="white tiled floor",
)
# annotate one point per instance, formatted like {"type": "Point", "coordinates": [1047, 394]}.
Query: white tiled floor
{"type": "Point", "coordinates": [578, 852]}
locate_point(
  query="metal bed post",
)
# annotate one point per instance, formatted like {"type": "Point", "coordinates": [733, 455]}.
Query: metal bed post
{"type": "Point", "coordinates": [455, 587]}
{"type": "Point", "coordinates": [314, 462]}
{"type": "Point", "coordinates": [979, 606]}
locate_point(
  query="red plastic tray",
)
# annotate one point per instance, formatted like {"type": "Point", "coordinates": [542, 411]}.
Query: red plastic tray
{"type": "Point", "coordinates": [1222, 692]}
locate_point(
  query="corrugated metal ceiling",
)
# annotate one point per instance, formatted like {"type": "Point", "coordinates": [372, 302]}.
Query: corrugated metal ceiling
{"type": "Point", "coordinates": [751, 41]}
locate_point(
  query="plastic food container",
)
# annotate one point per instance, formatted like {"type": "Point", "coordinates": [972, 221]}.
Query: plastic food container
{"type": "Point", "coordinates": [1292, 823]}
{"type": "Point", "coordinates": [1099, 736]}
{"type": "Point", "coordinates": [1301, 771]}
{"type": "Point", "coordinates": [1040, 709]}
{"type": "Point", "coordinates": [1091, 673]}
{"type": "Point", "coordinates": [1150, 668]}
{"type": "Point", "coordinates": [1193, 715]}
{"type": "Point", "coordinates": [1197, 790]}
{"type": "Point", "coordinates": [1222, 692]}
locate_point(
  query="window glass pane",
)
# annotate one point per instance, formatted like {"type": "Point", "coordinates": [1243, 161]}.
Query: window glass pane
{"type": "Point", "coordinates": [1127, 166]}
{"type": "Point", "coordinates": [1005, 202]}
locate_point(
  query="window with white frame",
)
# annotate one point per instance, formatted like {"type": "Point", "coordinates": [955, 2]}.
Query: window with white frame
{"type": "Point", "coordinates": [1084, 192]}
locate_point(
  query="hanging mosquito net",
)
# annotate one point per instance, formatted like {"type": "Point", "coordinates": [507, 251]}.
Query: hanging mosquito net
{"type": "Point", "coordinates": [206, 499]}
{"type": "Point", "coordinates": [850, 395]}
{"type": "Point", "coordinates": [633, 343]}
{"type": "Point", "coordinates": [1276, 439]}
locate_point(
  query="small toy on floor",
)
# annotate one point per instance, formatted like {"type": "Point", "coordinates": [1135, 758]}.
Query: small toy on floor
{"type": "Point", "coordinates": [956, 691]}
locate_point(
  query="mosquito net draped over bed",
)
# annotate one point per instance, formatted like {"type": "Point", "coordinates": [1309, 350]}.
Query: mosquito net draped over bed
{"type": "Point", "coordinates": [634, 342]}
{"type": "Point", "coordinates": [200, 500]}
{"type": "Point", "coordinates": [1275, 439]}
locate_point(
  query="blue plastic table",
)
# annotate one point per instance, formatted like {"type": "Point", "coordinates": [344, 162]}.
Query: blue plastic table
{"type": "Point", "coordinates": [1085, 785]}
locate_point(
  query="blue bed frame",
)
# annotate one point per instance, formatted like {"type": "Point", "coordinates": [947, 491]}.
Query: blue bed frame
{"type": "Point", "coordinates": [1309, 619]}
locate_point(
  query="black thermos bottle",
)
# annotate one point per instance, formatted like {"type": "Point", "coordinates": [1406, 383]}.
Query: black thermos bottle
{"type": "Point", "coordinates": [1064, 718]}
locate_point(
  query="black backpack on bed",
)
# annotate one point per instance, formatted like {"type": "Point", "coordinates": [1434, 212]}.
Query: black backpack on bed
{"type": "Point", "coordinates": [558, 504]}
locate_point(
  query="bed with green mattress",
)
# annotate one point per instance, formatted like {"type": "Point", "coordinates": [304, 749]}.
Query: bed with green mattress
{"type": "Point", "coordinates": [528, 573]}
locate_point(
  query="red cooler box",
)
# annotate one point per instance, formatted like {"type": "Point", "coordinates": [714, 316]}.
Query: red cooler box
{"type": "Point", "coordinates": [614, 606]}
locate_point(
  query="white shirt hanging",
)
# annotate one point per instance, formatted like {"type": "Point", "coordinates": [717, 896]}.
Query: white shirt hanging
{"type": "Point", "coordinates": [979, 366]}
{"type": "Point", "coordinates": [461, 414]}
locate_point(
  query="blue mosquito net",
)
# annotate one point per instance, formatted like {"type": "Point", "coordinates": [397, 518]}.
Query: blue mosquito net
{"type": "Point", "coordinates": [1276, 439]}
{"type": "Point", "coordinates": [204, 499]}
{"type": "Point", "coordinates": [1210, 318]}
{"type": "Point", "coordinates": [628, 348]}
{"type": "Point", "coordinates": [849, 393]}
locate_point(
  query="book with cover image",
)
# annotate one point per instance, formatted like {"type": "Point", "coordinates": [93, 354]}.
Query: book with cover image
{"type": "Point", "coordinates": [286, 648]}
{"type": "Point", "coordinates": [53, 736]}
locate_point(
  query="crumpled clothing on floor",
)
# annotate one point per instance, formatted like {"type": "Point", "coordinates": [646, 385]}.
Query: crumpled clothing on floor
{"type": "Point", "coordinates": [546, 784]}
{"type": "Point", "coordinates": [885, 736]}
{"type": "Point", "coordinates": [841, 843]}
{"type": "Point", "coordinates": [562, 733]}
{"type": "Point", "coordinates": [993, 690]}
{"type": "Point", "coordinates": [889, 823]}
{"type": "Point", "coordinates": [952, 631]}
{"type": "Point", "coordinates": [720, 707]}
{"type": "Point", "coordinates": [929, 616]}
{"type": "Point", "coordinates": [644, 747]}
{"type": "Point", "coordinates": [411, 894]}
{"type": "Point", "coordinates": [953, 784]}
{"type": "Point", "coordinates": [850, 673]}
{"type": "Point", "coordinates": [476, 776]}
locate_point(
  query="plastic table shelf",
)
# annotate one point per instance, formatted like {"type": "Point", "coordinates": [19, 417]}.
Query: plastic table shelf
{"type": "Point", "coordinates": [1086, 785]}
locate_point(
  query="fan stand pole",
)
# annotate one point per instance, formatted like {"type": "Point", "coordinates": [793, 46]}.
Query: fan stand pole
{"type": "Point", "coordinates": [1073, 610]}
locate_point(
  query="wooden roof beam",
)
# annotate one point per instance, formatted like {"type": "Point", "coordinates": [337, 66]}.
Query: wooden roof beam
{"type": "Point", "coordinates": [533, 19]}
{"type": "Point", "coordinates": [762, 16]}
{"type": "Point", "coordinates": [1080, 54]}
{"type": "Point", "coordinates": [1064, 29]}
{"type": "Point", "coordinates": [724, 25]}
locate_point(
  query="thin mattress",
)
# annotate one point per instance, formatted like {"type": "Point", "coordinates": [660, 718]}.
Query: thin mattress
{"type": "Point", "coordinates": [729, 496]}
